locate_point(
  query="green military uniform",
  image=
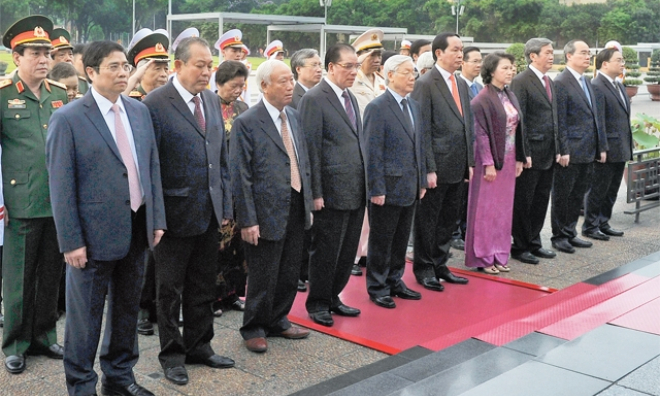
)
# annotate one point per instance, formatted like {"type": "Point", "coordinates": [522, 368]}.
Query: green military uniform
{"type": "Point", "coordinates": [138, 93]}
{"type": "Point", "coordinates": [83, 85]}
{"type": "Point", "coordinates": [31, 257]}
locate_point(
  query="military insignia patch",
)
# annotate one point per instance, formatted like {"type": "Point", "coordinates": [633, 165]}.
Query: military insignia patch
{"type": "Point", "coordinates": [39, 32]}
{"type": "Point", "coordinates": [16, 104]}
{"type": "Point", "coordinates": [57, 104]}
{"type": "Point", "coordinates": [5, 83]}
{"type": "Point", "coordinates": [159, 47]}
{"type": "Point", "coordinates": [64, 40]}
{"type": "Point", "coordinates": [19, 87]}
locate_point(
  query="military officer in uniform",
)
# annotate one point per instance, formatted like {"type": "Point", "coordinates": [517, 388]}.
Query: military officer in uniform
{"type": "Point", "coordinates": [368, 86]}
{"type": "Point", "coordinates": [149, 56]}
{"type": "Point", "coordinates": [274, 50]}
{"type": "Point", "coordinates": [405, 47]}
{"type": "Point", "coordinates": [62, 49]}
{"type": "Point", "coordinates": [231, 47]}
{"type": "Point", "coordinates": [31, 258]}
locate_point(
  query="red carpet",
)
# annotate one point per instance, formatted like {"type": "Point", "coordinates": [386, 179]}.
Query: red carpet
{"type": "Point", "coordinates": [435, 316]}
{"type": "Point", "coordinates": [644, 318]}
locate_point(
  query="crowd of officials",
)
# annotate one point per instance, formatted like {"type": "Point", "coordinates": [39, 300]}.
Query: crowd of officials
{"type": "Point", "coordinates": [164, 196]}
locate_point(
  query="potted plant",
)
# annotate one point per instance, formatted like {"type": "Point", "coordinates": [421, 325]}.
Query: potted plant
{"type": "Point", "coordinates": [632, 85]}
{"type": "Point", "coordinates": [646, 135]}
{"type": "Point", "coordinates": [653, 76]}
{"type": "Point", "coordinates": [632, 67]}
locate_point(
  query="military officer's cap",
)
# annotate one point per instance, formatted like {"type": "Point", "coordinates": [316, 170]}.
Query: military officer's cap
{"type": "Point", "coordinates": [190, 32]}
{"type": "Point", "coordinates": [246, 50]}
{"type": "Point", "coordinates": [32, 31]}
{"type": "Point", "coordinates": [231, 38]}
{"type": "Point", "coordinates": [405, 44]}
{"type": "Point", "coordinates": [273, 49]}
{"type": "Point", "coordinates": [60, 39]}
{"type": "Point", "coordinates": [150, 45]}
{"type": "Point", "coordinates": [369, 40]}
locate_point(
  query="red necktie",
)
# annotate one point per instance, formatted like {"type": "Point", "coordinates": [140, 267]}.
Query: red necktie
{"type": "Point", "coordinates": [199, 116]}
{"type": "Point", "coordinates": [454, 93]}
{"type": "Point", "coordinates": [547, 87]}
{"type": "Point", "coordinates": [127, 156]}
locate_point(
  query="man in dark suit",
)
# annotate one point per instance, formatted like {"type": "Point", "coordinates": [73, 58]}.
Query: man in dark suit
{"type": "Point", "coordinates": [397, 178]}
{"type": "Point", "coordinates": [538, 103]}
{"type": "Point", "coordinates": [307, 69]}
{"type": "Point", "coordinates": [581, 140]}
{"type": "Point", "coordinates": [108, 207]}
{"type": "Point", "coordinates": [272, 189]}
{"type": "Point", "coordinates": [196, 189]}
{"type": "Point", "coordinates": [614, 110]}
{"type": "Point", "coordinates": [447, 126]}
{"type": "Point", "coordinates": [333, 128]}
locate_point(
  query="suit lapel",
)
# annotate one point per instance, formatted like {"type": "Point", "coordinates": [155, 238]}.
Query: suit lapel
{"type": "Point", "coordinates": [97, 119]}
{"type": "Point", "coordinates": [533, 78]}
{"type": "Point", "coordinates": [332, 98]}
{"type": "Point", "coordinates": [626, 105]}
{"type": "Point", "coordinates": [396, 109]}
{"type": "Point", "coordinates": [269, 127]}
{"type": "Point", "coordinates": [133, 119]}
{"type": "Point", "coordinates": [182, 107]}
{"type": "Point", "coordinates": [578, 86]}
{"type": "Point", "coordinates": [293, 121]}
{"type": "Point", "coordinates": [441, 84]}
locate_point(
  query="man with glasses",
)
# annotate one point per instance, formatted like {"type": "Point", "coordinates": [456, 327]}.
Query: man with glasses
{"type": "Point", "coordinates": [31, 259]}
{"type": "Point", "coordinates": [581, 141]}
{"type": "Point", "coordinates": [307, 70]}
{"type": "Point", "coordinates": [470, 70]}
{"type": "Point", "coordinates": [397, 179]}
{"type": "Point", "coordinates": [102, 158]}
{"type": "Point", "coordinates": [192, 148]}
{"type": "Point", "coordinates": [331, 121]}
{"type": "Point", "coordinates": [614, 109]}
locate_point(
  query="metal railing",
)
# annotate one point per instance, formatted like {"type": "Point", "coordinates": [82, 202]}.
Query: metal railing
{"type": "Point", "coordinates": [643, 182]}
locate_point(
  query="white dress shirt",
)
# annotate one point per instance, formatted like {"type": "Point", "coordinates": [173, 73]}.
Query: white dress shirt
{"type": "Point", "coordinates": [275, 115]}
{"type": "Point", "coordinates": [187, 96]}
{"type": "Point", "coordinates": [538, 74]}
{"type": "Point", "coordinates": [445, 75]}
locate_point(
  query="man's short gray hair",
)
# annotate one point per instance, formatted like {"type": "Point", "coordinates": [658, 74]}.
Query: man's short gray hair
{"type": "Point", "coordinates": [534, 46]}
{"type": "Point", "coordinates": [265, 70]}
{"type": "Point", "coordinates": [299, 57]}
{"type": "Point", "coordinates": [425, 61]}
{"type": "Point", "coordinates": [392, 65]}
{"type": "Point", "coordinates": [182, 51]}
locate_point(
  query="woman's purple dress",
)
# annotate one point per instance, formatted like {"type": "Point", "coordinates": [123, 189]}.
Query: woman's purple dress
{"type": "Point", "coordinates": [490, 204]}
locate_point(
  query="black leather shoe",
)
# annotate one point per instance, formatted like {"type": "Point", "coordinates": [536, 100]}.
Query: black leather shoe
{"type": "Point", "coordinates": [451, 278]}
{"type": "Point", "coordinates": [385, 301]}
{"type": "Point", "coordinates": [605, 230]}
{"type": "Point", "coordinates": [580, 243]}
{"type": "Point", "coordinates": [302, 287]}
{"type": "Point", "coordinates": [431, 284]}
{"type": "Point", "coordinates": [407, 294]}
{"type": "Point", "coordinates": [323, 318]}
{"type": "Point", "coordinates": [54, 351]}
{"type": "Point", "coordinates": [362, 262]}
{"type": "Point", "coordinates": [563, 246]}
{"type": "Point", "coordinates": [458, 244]}
{"type": "Point", "coordinates": [544, 253]}
{"type": "Point", "coordinates": [177, 375]}
{"type": "Point", "coordinates": [356, 270]}
{"type": "Point", "coordinates": [345, 310]}
{"type": "Point", "coordinates": [15, 364]}
{"type": "Point", "coordinates": [526, 257]}
{"type": "Point", "coordinates": [238, 305]}
{"type": "Point", "coordinates": [145, 327]}
{"type": "Point", "coordinates": [132, 390]}
{"type": "Point", "coordinates": [596, 235]}
{"type": "Point", "coordinates": [215, 361]}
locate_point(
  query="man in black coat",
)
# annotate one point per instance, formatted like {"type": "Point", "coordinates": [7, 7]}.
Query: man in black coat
{"type": "Point", "coordinates": [397, 178]}
{"type": "Point", "coordinates": [581, 141]}
{"type": "Point", "coordinates": [614, 111]}
{"type": "Point", "coordinates": [193, 156]}
{"type": "Point", "coordinates": [333, 128]}
{"type": "Point", "coordinates": [272, 189]}
{"type": "Point", "coordinates": [448, 137]}
{"type": "Point", "coordinates": [538, 103]}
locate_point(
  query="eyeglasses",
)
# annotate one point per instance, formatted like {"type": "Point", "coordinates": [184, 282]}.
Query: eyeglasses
{"type": "Point", "coordinates": [620, 61]}
{"type": "Point", "coordinates": [350, 66]}
{"type": "Point", "coordinates": [409, 73]}
{"type": "Point", "coordinates": [314, 65]}
{"type": "Point", "coordinates": [114, 68]}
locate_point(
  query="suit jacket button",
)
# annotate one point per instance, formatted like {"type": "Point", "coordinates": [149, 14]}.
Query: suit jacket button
{"type": "Point", "coordinates": [210, 166]}
{"type": "Point", "coordinates": [128, 202]}
{"type": "Point", "coordinates": [125, 174]}
{"type": "Point", "coordinates": [210, 188]}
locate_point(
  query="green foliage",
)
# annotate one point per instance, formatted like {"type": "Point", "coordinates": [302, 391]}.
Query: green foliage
{"type": "Point", "coordinates": [652, 79]}
{"type": "Point", "coordinates": [655, 58]}
{"type": "Point", "coordinates": [645, 131]}
{"type": "Point", "coordinates": [631, 82]}
{"type": "Point", "coordinates": [518, 51]}
{"type": "Point", "coordinates": [633, 74]}
{"type": "Point", "coordinates": [630, 56]}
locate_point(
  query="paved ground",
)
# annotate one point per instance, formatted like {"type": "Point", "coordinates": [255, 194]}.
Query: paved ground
{"type": "Point", "coordinates": [289, 366]}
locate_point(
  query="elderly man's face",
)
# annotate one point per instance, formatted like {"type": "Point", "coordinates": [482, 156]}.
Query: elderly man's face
{"type": "Point", "coordinates": [311, 72]}
{"type": "Point", "coordinates": [280, 90]}
{"type": "Point", "coordinates": [156, 75]}
{"type": "Point", "coordinates": [232, 89]}
{"type": "Point", "coordinates": [33, 63]}
{"type": "Point", "coordinates": [194, 74]}
{"type": "Point", "coordinates": [343, 72]}
{"type": "Point", "coordinates": [402, 81]}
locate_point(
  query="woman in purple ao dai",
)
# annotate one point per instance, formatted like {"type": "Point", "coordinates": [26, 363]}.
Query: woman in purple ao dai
{"type": "Point", "coordinates": [500, 154]}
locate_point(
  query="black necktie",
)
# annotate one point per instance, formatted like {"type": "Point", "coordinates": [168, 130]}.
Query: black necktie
{"type": "Point", "coordinates": [406, 113]}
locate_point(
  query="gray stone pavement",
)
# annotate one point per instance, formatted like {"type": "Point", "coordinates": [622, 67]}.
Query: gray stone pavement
{"type": "Point", "coordinates": [289, 365]}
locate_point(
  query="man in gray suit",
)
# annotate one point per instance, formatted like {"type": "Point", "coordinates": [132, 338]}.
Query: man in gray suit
{"type": "Point", "coordinates": [331, 122]}
{"type": "Point", "coordinates": [191, 145]}
{"type": "Point", "coordinates": [108, 207]}
{"type": "Point", "coordinates": [307, 69]}
{"type": "Point", "coordinates": [448, 137]}
{"type": "Point", "coordinates": [273, 195]}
